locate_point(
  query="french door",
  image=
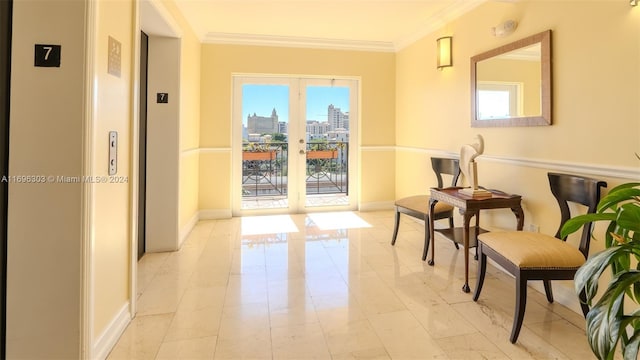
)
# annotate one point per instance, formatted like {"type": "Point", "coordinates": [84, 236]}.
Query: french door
{"type": "Point", "coordinates": [294, 144]}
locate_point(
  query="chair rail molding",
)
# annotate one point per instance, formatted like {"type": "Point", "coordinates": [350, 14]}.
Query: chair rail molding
{"type": "Point", "coordinates": [621, 172]}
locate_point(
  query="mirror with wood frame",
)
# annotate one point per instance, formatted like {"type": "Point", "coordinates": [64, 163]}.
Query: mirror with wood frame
{"type": "Point", "coordinates": [511, 85]}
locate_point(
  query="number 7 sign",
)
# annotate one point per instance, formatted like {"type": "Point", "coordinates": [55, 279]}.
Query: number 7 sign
{"type": "Point", "coordinates": [47, 55]}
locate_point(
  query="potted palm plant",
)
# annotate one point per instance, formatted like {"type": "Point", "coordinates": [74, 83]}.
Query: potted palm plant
{"type": "Point", "coordinates": [608, 322]}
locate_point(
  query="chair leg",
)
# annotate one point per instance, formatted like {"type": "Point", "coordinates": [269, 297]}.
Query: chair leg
{"type": "Point", "coordinates": [427, 237]}
{"type": "Point", "coordinates": [548, 290]}
{"type": "Point", "coordinates": [521, 304]}
{"type": "Point", "coordinates": [395, 228]}
{"type": "Point", "coordinates": [482, 269]}
{"type": "Point", "coordinates": [451, 227]}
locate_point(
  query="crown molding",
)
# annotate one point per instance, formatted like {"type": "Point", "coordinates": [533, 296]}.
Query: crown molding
{"type": "Point", "coordinates": [300, 42]}
{"type": "Point", "coordinates": [437, 21]}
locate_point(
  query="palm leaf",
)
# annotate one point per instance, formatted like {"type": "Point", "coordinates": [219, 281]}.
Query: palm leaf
{"type": "Point", "coordinates": [605, 322]}
{"type": "Point", "coordinates": [574, 224]}
{"type": "Point", "coordinates": [601, 328]}
{"type": "Point", "coordinates": [616, 196]}
{"type": "Point", "coordinates": [586, 278]}
{"type": "Point", "coordinates": [630, 349]}
{"type": "Point", "coordinates": [613, 228]}
{"type": "Point", "coordinates": [629, 217]}
{"type": "Point", "coordinates": [589, 273]}
{"type": "Point", "coordinates": [636, 289]}
{"type": "Point", "coordinates": [607, 325]}
{"type": "Point", "coordinates": [625, 186]}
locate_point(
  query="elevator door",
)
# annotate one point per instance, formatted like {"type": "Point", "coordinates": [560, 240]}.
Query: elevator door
{"type": "Point", "coordinates": [142, 144]}
{"type": "Point", "coordinates": [5, 71]}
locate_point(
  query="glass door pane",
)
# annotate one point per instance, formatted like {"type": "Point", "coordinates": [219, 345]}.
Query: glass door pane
{"type": "Point", "coordinates": [328, 123]}
{"type": "Point", "coordinates": [265, 165]}
{"type": "Point", "coordinates": [293, 142]}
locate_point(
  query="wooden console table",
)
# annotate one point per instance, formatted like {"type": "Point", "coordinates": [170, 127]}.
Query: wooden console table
{"type": "Point", "coordinates": [470, 207]}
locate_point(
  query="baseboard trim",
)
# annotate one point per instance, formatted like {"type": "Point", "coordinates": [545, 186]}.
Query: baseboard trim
{"type": "Point", "coordinates": [103, 345]}
{"type": "Point", "coordinates": [186, 230]}
{"type": "Point", "coordinates": [376, 206]}
{"type": "Point", "coordinates": [213, 214]}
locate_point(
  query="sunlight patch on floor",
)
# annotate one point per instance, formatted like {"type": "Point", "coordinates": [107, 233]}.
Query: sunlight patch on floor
{"type": "Point", "coordinates": [338, 220]}
{"type": "Point", "coordinates": [270, 224]}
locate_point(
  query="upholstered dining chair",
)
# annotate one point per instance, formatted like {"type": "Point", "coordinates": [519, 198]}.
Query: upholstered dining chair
{"type": "Point", "coordinates": [417, 206]}
{"type": "Point", "coordinates": [535, 256]}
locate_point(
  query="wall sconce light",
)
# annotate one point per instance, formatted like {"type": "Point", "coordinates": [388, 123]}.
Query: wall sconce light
{"type": "Point", "coordinates": [633, 2]}
{"type": "Point", "coordinates": [444, 52]}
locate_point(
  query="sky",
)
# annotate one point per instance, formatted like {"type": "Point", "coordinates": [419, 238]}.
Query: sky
{"type": "Point", "coordinates": [262, 99]}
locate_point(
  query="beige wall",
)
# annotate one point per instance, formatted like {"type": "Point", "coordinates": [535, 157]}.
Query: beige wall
{"type": "Point", "coordinates": [111, 201]}
{"type": "Point", "coordinates": [375, 69]}
{"type": "Point", "coordinates": [116, 111]}
{"type": "Point", "coordinates": [189, 122]}
{"type": "Point", "coordinates": [53, 139]}
{"type": "Point", "coordinates": [596, 127]}
{"type": "Point", "coordinates": [173, 128]}
{"type": "Point", "coordinates": [45, 219]}
{"type": "Point", "coordinates": [594, 97]}
{"type": "Point", "coordinates": [67, 135]}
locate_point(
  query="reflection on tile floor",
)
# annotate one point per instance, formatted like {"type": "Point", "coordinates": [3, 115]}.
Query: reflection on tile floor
{"type": "Point", "coordinates": [312, 291]}
{"type": "Point", "coordinates": [265, 202]}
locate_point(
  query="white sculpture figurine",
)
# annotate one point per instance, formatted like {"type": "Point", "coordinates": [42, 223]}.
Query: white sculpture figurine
{"type": "Point", "coordinates": [468, 153]}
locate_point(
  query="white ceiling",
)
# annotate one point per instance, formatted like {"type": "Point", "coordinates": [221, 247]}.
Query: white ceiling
{"type": "Point", "coordinates": [379, 25]}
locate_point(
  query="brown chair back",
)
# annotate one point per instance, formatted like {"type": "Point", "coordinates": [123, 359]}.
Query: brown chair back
{"type": "Point", "coordinates": [446, 166]}
{"type": "Point", "coordinates": [570, 188]}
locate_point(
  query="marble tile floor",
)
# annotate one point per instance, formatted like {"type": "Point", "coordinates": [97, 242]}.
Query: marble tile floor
{"type": "Point", "coordinates": [330, 286]}
{"type": "Point", "coordinates": [277, 202]}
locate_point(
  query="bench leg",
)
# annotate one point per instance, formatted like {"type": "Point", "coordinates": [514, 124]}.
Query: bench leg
{"type": "Point", "coordinates": [482, 269]}
{"type": "Point", "coordinates": [395, 228]}
{"type": "Point", "coordinates": [521, 304]}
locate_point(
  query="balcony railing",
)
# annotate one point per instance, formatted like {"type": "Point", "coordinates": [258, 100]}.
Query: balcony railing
{"type": "Point", "coordinates": [265, 169]}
